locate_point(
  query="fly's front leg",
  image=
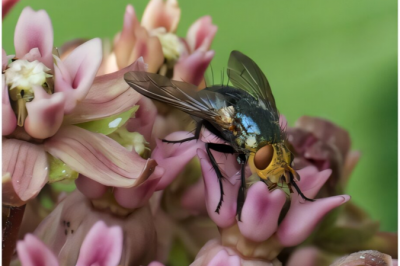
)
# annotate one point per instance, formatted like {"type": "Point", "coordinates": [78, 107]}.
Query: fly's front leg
{"type": "Point", "coordinates": [196, 135]}
{"type": "Point", "coordinates": [223, 149]}
{"type": "Point", "coordinates": [242, 189]}
{"type": "Point", "coordinates": [293, 183]}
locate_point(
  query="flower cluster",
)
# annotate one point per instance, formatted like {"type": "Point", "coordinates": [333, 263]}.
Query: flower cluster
{"type": "Point", "coordinates": [87, 180]}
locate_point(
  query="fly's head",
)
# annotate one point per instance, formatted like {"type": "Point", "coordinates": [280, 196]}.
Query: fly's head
{"type": "Point", "coordinates": [272, 161]}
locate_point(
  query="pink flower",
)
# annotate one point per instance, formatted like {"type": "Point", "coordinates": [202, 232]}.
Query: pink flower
{"type": "Point", "coordinates": [155, 40]}
{"type": "Point", "coordinates": [101, 246]}
{"type": "Point", "coordinates": [262, 208]}
{"type": "Point", "coordinates": [51, 121]}
{"type": "Point", "coordinates": [216, 254]}
{"type": "Point", "coordinates": [73, 218]}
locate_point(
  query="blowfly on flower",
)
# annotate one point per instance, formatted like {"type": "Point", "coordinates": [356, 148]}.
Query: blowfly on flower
{"type": "Point", "coordinates": [243, 115]}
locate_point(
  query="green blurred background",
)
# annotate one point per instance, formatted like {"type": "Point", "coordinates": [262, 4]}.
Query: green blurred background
{"type": "Point", "coordinates": [333, 59]}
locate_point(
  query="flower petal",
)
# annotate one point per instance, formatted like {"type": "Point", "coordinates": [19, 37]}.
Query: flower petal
{"type": "Point", "coordinates": [144, 118]}
{"type": "Point", "coordinates": [191, 69]}
{"type": "Point", "coordinates": [227, 213]}
{"type": "Point", "coordinates": [126, 41]}
{"type": "Point", "coordinates": [139, 196]}
{"type": "Point", "coordinates": [32, 252]}
{"type": "Point", "coordinates": [45, 114]}
{"type": "Point", "coordinates": [74, 76]}
{"type": "Point", "coordinates": [224, 259]}
{"type": "Point", "coordinates": [149, 47]}
{"type": "Point", "coordinates": [261, 212]}
{"type": "Point", "coordinates": [102, 246]}
{"type": "Point", "coordinates": [176, 155]}
{"type": "Point", "coordinates": [302, 218]}
{"type": "Point", "coordinates": [90, 188]}
{"type": "Point", "coordinates": [304, 256]}
{"type": "Point", "coordinates": [7, 5]}
{"type": "Point", "coordinates": [27, 165]}
{"type": "Point", "coordinates": [9, 120]}
{"type": "Point", "coordinates": [99, 157]}
{"type": "Point", "coordinates": [34, 30]}
{"type": "Point", "coordinates": [326, 131]}
{"type": "Point", "coordinates": [311, 180]}
{"type": "Point", "coordinates": [109, 95]}
{"type": "Point", "coordinates": [161, 14]}
{"type": "Point", "coordinates": [201, 34]}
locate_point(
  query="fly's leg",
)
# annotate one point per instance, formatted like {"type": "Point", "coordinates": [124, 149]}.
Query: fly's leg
{"type": "Point", "coordinates": [196, 135]}
{"type": "Point", "coordinates": [224, 149]}
{"type": "Point", "coordinates": [293, 183]}
{"type": "Point", "coordinates": [241, 194]}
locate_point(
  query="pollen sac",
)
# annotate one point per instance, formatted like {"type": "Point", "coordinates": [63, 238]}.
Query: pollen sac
{"type": "Point", "coordinates": [263, 157]}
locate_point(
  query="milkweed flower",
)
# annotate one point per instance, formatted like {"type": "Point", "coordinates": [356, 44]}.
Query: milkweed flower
{"type": "Point", "coordinates": [63, 230]}
{"type": "Point", "coordinates": [54, 112]}
{"type": "Point", "coordinates": [258, 235]}
{"type": "Point", "coordinates": [155, 39]}
{"type": "Point", "coordinates": [321, 143]}
{"type": "Point", "coordinates": [102, 245]}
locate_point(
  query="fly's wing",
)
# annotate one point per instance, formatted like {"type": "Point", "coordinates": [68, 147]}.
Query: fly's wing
{"type": "Point", "coordinates": [246, 75]}
{"type": "Point", "coordinates": [184, 96]}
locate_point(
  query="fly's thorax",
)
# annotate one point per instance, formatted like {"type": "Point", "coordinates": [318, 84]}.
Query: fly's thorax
{"type": "Point", "coordinates": [279, 163]}
{"type": "Point", "coordinates": [246, 131]}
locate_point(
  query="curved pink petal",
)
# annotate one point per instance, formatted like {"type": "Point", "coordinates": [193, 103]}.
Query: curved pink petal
{"type": "Point", "coordinates": [102, 246]}
{"type": "Point", "coordinates": [34, 30]}
{"type": "Point", "coordinates": [155, 263]}
{"type": "Point", "coordinates": [74, 76]}
{"type": "Point", "coordinates": [193, 199]}
{"type": "Point", "coordinates": [149, 47]}
{"type": "Point", "coordinates": [9, 120]}
{"type": "Point", "coordinates": [174, 157]}
{"type": "Point", "coordinates": [306, 256]}
{"type": "Point", "coordinates": [261, 211]}
{"type": "Point", "coordinates": [125, 42]}
{"type": "Point", "coordinates": [90, 188]}
{"type": "Point", "coordinates": [100, 158]}
{"type": "Point", "coordinates": [227, 213]}
{"type": "Point", "coordinates": [311, 180]}
{"type": "Point", "coordinates": [224, 259]}
{"type": "Point", "coordinates": [45, 114]}
{"type": "Point", "coordinates": [27, 165]}
{"type": "Point", "coordinates": [4, 59]}
{"type": "Point", "coordinates": [109, 95]}
{"type": "Point", "coordinates": [302, 218]}
{"type": "Point", "coordinates": [32, 252]}
{"type": "Point", "coordinates": [139, 196]}
{"type": "Point", "coordinates": [201, 34]}
{"type": "Point", "coordinates": [191, 69]}
{"type": "Point", "coordinates": [144, 118]}
{"type": "Point", "coordinates": [7, 5]}
{"type": "Point", "coordinates": [160, 13]}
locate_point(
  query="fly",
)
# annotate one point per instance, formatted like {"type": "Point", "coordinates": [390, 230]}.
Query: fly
{"type": "Point", "coordinates": [244, 115]}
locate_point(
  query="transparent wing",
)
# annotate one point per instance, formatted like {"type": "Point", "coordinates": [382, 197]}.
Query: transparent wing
{"type": "Point", "coordinates": [244, 74]}
{"type": "Point", "coordinates": [184, 96]}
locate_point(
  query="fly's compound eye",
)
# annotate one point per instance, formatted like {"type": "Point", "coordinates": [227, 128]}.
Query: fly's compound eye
{"type": "Point", "coordinates": [263, 157]}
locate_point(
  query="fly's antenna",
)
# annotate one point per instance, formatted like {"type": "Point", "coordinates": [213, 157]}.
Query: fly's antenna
{"type": "Point", "coordinates": [222, 77]}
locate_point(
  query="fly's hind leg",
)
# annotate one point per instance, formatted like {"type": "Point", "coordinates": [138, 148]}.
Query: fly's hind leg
{"type": "Point", "coordinates": [219, 148]}
{"type": "Point", "coordinates": [196, 135]}
{"type": "Point", "coordinates": [293, 183]}
{"type": "Point", "coordinates": [241, 194]}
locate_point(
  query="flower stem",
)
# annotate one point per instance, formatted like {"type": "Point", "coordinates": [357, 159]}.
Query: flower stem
{"type": "Point", "coordinates": [11, 224]}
